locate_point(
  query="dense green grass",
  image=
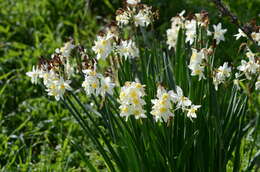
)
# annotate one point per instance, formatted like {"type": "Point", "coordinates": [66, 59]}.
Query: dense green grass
{"type": "Point", "coordinates": [37, 133]}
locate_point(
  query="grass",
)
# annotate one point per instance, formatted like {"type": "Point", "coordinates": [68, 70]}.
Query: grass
{"type": "Point", "coordinates": [37, 133]}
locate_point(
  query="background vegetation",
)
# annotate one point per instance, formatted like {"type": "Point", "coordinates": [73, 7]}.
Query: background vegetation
{"type": "Point", "coordinates": [37, 133]}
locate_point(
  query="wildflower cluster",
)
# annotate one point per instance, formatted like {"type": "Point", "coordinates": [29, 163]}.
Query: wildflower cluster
{"type": "Point", "coordinates": [135, 13]}
{"type": "Point", "coordinates": [131, 100]}
{"type": "Point", "coordinates": [192, 51]}
{"type": "Point", "coordinates": [54, 71]}
{"type": "Point", "coordinates": [108, 42]}
{"type": "Point", "coordinates": [127, 49]}
{"type": "Point", "coordinates": [250, 69]}
{"type": "Point", "coordinates": [190, 25]}
{"type": "Point", "coordinates": [255, 35]}
{"type": "Point", "coordinates": [163, 107]}
{"type": "Point", "coordinates": [200, 58]}
{"type": "Point", "coordinates": [58, 72]}
{"type": "Point", "coordinates": [104, 45]}
{"type": "Point", "coordinates": [96, 84]}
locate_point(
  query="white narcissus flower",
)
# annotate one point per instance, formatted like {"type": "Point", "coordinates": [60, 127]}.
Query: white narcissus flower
{"type": "Point", "coordinates": [58, 87]}
{"type": "Point", "coordinates": [133, 2]}
{"type": "Point", "coordinates": [219, 33]}
{"type": "Point", "coordinates": [252, 65]}
{"type": "Point", "coordinates": [198, 70]}
{"type": "Point", "coordinates": [162, 106]}
{"type": "Point", "coordinates": [143, 18]}
{"type": "Point", "coordinates": [192, 111]}
{"type": "Point", "coordinates": [106, 86]}
{"type": "Point", "coordinates": [196, 66]}
{"type": "Point", "coordinates": [91, 84]}
{"type": "Point", "coordinates": [172, 36]}
{"type": "Point", "coordinates": [172, 33]}
{"type": "Point", "coordinates": [123, 18]}
{"type": "Point", "coordinates": [240, 34]}
{"type": "Point", "coordinates": [63, 86]}
{"type": "Point", "coordinates": [103, 46]}
{"type": "Point", "coordinates": [182, 101]}
{"type": "Point", "coordinates": [256, 37]}
{"type": "Point", "coordinates": [221, 74]}
{"type": "Point", "coordinates": [243, 67]}
{"type": "Point", "coordinates": [224, 71]}
{"type": "Point", "coordinates": [191, 29]}
{"type": "Point", "coordinates": [48, 76]}
{"type": "Point", "coordinates": [178, 21]}
{"type": "Point", "coordinates": [68, 69]}
{"type": "Point", "coordinates": [131, 100]}
{"type": "Point", "coordinates": [95, 83]}
{"type": "Point", "coordinates": [196, 58]}
{"type": "Point", "coordinates": [34, 75]}
{"type": "Point", "coordinates": [128, 49]}
{"type": "Point", "coordinates": [66, 49]}
{"type": "Point", "coordinates": [249, 68]}
{"type": "Point", "coordinates": [128, 110]}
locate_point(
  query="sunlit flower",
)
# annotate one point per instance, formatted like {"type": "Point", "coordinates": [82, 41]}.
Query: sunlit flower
{"type": "Point", "coordinates": [172, 33]}
{"type": "Point", "coordinates": [34, 75]}
{"type": "Point", "coordinates": [106, 86]}
{"type": "Point", "coordinates": [143, 18]}
{"type": "Point", "coordinates": [162, 106]}
{"type": "Point", "coordinates": [123, 18]}
{"type": "Point", "coordinates": [68, 69]}
{"type": "Point", "coordinates": [91, 84]}
{"type": "Point", "coordinates": [63, 86]}
{"type": "Point", "coordinates": [96, 84]}
{"type": "Point", "coordinates": [172, 36]}
{"type": "Point", "coordinates": [48, 76]}
{"type": "Point", "coordinates": [221, 74]}
{"type": "Point", "coordinates": [179, 20]}
{"type": "Point", "coordinates": [103, 46]}
{"type": "Point", "coordinates": [131, 100]}
{"type": "Point", "coordinates": [66, 49]}
{"type": "Point", "coordinates": [240, 34]}
{"type": "Point", "coordinates": [196, 67]}
{"type": "Point", "coordinates": [196, 58]}
{"type": "Point", "coordinates": [190, 27]}
{"type": "Point", "coordinates": [218, 33]}
{"type": "Point", "coordinates": [128, 49]}
{"type": "Point", "coordinates": [192, 111]}
{"type": "Point", "coordinates": [256, 37]}
{"type": "Point", "coordinates": [224, 71]}
{"type": "Point", "coordinates": [250, 67]}
{"type": "Point", "coordinates": [198, 70]}
{"type": "Point", "coordinates": [58, 87]}
{"type": "Point", "coordinates": [182, 101]}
